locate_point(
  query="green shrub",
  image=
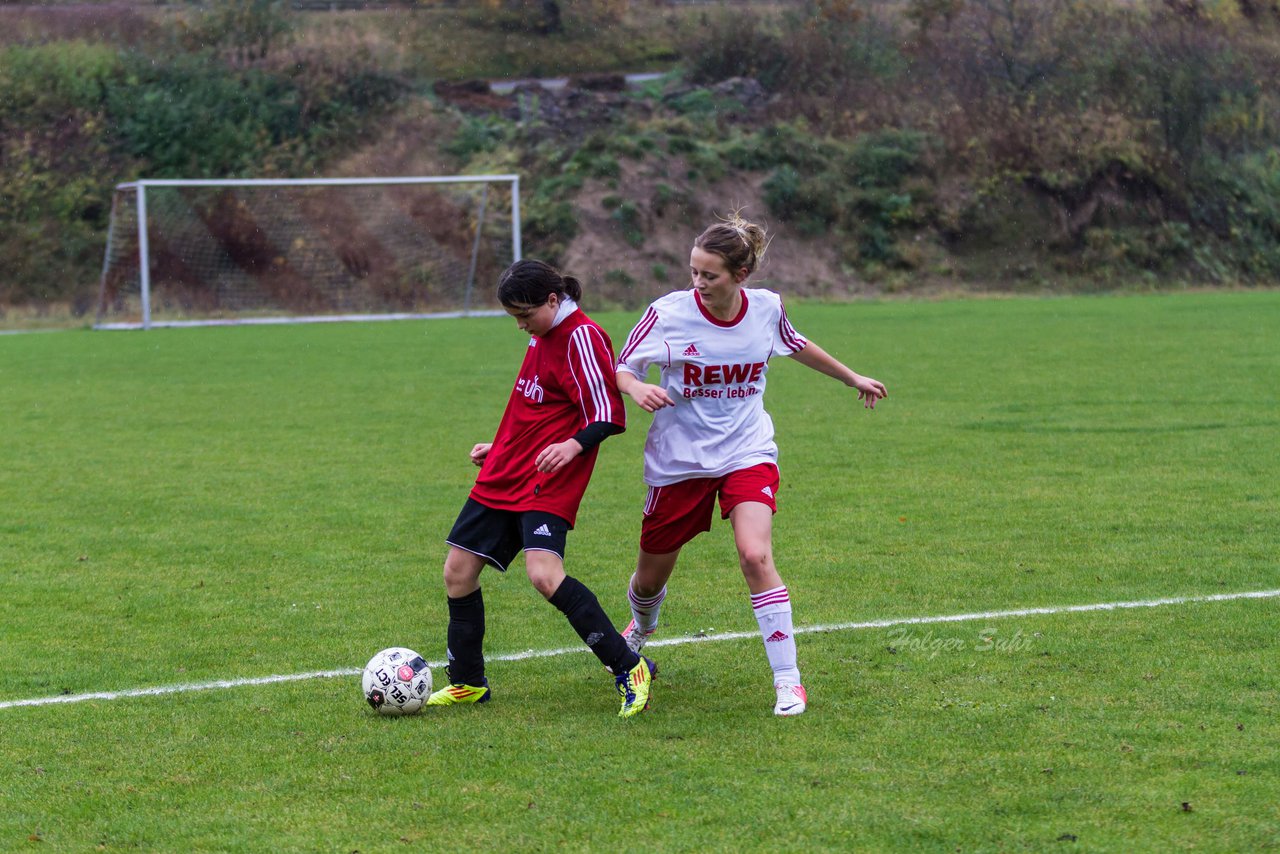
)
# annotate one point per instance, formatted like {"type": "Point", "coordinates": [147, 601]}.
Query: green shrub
{"type": "Point", "coordinates": [626, 216]}
{"type": "Point", "coordinates": [59, 169]}
{"type": "Point", "coordinates": [188, 118]}
{"type": "Point", "coordinates": [594, 162]}
{"type": "Point", "coordinates": [863, 194]}
{"type": "Point", "coordinates": [668, 200]}
{"type": "Point", "coordinates": [549, 222]}
{"type": "Point", "coordinates": [805, 202]}
{"type": "Point", "coordinates": [477, 135]}
{"type": "Point", "coordinates": [886, 158]}
{"type": "Point", "coordinates": [881, 165]}
{"type": "Point", "coordinates": [833, 48]}
{"type": "Point", "coordinates": [79, 118]}
{"type": "Point", "coordinates": [734, 43]}
{"type": "Point", "coordinates": [40, 83]}
{"type": "Point", "coordinates": [1238, 200]}
{"type": "Point", "coordinates": [782, 143]}
{"type": "Point", "coordinates": [704, 104]}
{"type": "Point", "coordinates": [798, 144]}
{"type": "Point", "coordinates": [241, 30]}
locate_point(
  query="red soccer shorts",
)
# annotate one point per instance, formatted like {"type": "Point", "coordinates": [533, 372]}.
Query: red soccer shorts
{"type": "Point", "coordinates": [676, 513]}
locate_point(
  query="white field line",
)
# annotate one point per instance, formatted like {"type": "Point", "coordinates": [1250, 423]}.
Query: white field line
{"type": "Point", "coordinates": [700, 638]}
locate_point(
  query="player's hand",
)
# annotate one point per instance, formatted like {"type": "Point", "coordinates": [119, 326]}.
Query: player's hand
{"type": "Point", "coordinates": [479, 452]}
{"type": "Point", "coordinates": [869, 391]}
{"type": "Point", "coordinates": [557, 456]}
{"type": "Point", "coordinates": [649, 397]}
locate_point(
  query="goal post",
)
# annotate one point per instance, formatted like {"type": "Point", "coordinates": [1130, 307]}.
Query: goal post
{"type": "Point", "coordinates": [185, 252]}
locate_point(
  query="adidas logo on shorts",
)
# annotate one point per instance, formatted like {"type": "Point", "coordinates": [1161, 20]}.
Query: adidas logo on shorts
{"type": "Point", "coordinates": [767, 491]}
{"type": "Point", "coordinates": [542, 531]}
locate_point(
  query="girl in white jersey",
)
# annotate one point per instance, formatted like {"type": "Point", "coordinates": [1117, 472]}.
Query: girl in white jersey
{"type": "Point", "coordinates": [711, 436]}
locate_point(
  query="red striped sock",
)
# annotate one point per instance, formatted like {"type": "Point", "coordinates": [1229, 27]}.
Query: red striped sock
{"type": "Point", "coordinates": [644, 609]}
{"type": "Point", "coordinates": [773, 613]}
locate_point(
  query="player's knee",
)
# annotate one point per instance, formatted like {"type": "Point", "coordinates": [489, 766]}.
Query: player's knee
{"type": "Point", "coordinates": [545, 577]}
{"type": "Point", "coordinates": [449, 574]}
{"type": "Point", "coordinates": [648, 584]}
{"type": "Point", "coordinates": [652, 572]}
{"type": "Point", "coordinates": [645, 591]}
{"type": "Point", "coordinates": [460, 575]}
{"type": "Point", "coordinates": [543, 585]}
{"type": "Point", "coordinates": [755, 560]}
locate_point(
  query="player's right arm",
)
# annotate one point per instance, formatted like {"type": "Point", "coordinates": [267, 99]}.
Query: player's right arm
{"type": "Point", "coordinates": [647, 396]}
{"type": "Point", "coordinates": [644, 347]}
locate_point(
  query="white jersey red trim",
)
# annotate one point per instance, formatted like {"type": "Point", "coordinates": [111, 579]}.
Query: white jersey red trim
{"type": "Point", "coordinates": [715, 370]}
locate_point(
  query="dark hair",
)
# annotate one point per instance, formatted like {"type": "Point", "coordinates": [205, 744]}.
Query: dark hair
{"type": "Point", "coordinates": [740, 243]}
{"type": "Point", "coordinates": [530, 283]}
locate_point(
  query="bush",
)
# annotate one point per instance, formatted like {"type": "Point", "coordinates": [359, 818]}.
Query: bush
{"type": "Point", "coordinates": [835, 49]}
{"type": "Point", "coordinates": [594, 159]}
{"type": "Point", "coordinates": [80, 118]}
{"type": "Point", "coordinates": [476, 135]}
{"type": "Point", "coordinates": [1239, 201]}
{"type": "Point", "coordinates": [186, 118]}
{"type": "Point", "coordinates": [734, 43]}
{"type": "Point", "coordinates": [805, 203]}
{"type": "Point", "coordinates": [626, 216]}
{"type": "Point", "coordinates": [549, 220]}
{"type": "Point", "coordinates": [59, 168]}
{"type": "Point", "coordinates": [864, 194]}
{"type": "Point", "coordinates": [241, 31]}
{"type": "Point", "coordinates": [40, 83]}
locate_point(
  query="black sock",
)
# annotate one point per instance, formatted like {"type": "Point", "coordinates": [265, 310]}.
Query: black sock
{"type": "Point", "coordinates": [588, 619]}
{"type": "Point", "coordinates": [466, 639]}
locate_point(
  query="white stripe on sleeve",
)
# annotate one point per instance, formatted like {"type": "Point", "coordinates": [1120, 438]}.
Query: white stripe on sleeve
{"type": "Point", "coordinates": [596, 389]}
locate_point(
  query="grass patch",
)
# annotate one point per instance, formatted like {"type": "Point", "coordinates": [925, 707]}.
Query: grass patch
{"type": "Point", "coordinates": [192, 505]}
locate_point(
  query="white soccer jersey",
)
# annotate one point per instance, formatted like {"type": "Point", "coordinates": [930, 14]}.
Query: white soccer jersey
{"type": "Point", "coordinates": [715, 372]}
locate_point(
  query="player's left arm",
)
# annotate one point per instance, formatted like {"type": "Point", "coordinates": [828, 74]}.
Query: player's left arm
{"type": "Point", "coordinates": [869, 390]}
{"type": "Point", "coordinates": [557, 456]}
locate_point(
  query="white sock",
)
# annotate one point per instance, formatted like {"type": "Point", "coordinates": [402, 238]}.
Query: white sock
{"type": "Point", "coordinates": [773, 613]}
{"type": "Point", "coordinates": [644, 610]}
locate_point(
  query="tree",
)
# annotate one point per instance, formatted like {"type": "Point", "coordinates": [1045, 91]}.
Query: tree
{"type": "Point", "coordinates": [243, 30]}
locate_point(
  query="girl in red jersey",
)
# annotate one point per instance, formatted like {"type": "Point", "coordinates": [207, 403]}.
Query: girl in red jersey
{"type": "Point", "coordinates": [711, 436]}
{"type": "Point", "coordinates": [532, 478]}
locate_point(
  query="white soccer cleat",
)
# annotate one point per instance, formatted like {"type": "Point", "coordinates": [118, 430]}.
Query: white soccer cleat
{"type": "Point", "coordinates": [635, 637]}
{"type": "Point", "coordinates": [792, 700]}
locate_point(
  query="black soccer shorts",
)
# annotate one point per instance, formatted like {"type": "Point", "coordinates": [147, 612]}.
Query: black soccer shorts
{"type": "Point", "coordinates": [498, 536]}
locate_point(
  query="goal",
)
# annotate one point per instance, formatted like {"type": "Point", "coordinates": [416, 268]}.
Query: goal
{"type": "Point", "coordinates": [205, 252]}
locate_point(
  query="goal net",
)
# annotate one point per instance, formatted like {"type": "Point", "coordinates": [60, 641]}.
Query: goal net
{"type": "Point", "coordinates": [197, 252]}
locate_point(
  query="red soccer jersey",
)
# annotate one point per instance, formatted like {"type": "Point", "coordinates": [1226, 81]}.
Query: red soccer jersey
{"type": "Point", "coordinates": [567, 381]}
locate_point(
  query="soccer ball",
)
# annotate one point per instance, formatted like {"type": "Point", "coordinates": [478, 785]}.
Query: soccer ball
{"type": "Point", "coordinates": [396, 681]}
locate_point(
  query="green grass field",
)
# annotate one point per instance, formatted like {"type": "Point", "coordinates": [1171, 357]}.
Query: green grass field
{"type": "Point", "coordinates": [188, 506]}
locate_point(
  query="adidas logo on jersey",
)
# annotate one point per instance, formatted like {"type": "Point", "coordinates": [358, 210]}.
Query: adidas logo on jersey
{"type": "Point", "coordinates": [692, 350]}
{"type": "Point", "coordinates": [542, 531]}
{"type": "Point", "coordinates": [767, 491]}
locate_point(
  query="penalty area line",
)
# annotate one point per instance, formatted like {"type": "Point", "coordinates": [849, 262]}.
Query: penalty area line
{"type": "Point", "coordinates": [699, 638]}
